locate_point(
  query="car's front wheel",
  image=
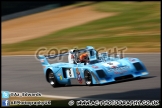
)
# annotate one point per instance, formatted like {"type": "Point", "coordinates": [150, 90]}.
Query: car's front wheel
{"type": "Point", "coordinates": [88, 78]}
{"type": "Point", "coordinates": [52, 79]}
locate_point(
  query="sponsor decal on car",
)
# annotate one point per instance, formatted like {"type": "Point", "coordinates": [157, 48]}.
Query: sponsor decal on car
{"type": "Point", "coordinates": [60, 77]}
{"type": "Point", "coordinates": [111, 64]}
{"type": "Point", "coordinates": [121, 68]}
{"type": "Point", "coordinates": [132, 59]}
{"type": "Point", "coordinates": [79, 78]}
{"type": "Point", "coordinates": [94, 66]}
{"type": "Point", "coordinates": [120, 72]}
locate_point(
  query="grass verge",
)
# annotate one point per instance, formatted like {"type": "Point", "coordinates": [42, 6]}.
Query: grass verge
{"type": "Point", "coordinates": [136, 25]}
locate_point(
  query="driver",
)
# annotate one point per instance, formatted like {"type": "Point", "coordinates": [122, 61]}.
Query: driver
{"type": "Point", "coordinates": [83, 58]}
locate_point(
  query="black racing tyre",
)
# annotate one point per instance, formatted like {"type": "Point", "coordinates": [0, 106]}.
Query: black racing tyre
{"type": "Point", "coordinates": [88, 78]}
{"type": "Point", "coordinates": [52, 79]}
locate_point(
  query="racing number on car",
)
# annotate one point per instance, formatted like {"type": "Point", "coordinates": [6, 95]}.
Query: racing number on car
{"type": "Point", "coordinates": [70, 73]}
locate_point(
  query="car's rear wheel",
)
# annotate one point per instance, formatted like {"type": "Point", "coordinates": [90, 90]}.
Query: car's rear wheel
{"type": "Point", "coordinates": [88, 78]}
{"type": "Point", "coordinates": [52, 79]}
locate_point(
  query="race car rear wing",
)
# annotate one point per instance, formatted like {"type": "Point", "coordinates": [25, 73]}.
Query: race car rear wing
{"type": "Point", "coordinates": [57, 55]}
{"type": "Point", "coordinates": [43, 60]}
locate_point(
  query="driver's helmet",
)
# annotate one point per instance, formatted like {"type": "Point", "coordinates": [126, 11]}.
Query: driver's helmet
{"type": "Point", "coordinates": [83, 57]}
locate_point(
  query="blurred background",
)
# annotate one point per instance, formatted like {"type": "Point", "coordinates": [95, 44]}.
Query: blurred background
{"type": "Point", "coordinates": [10, 7]}
{"type": "Point", "coordinates": [29, 25]}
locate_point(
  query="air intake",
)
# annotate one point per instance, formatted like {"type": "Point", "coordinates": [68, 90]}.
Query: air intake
{"type": "Point", "coordinates": [101, 73]}
{"type": "Point", "coordinates": [138, 66]}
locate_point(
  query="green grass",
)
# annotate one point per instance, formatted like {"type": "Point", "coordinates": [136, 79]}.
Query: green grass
{"type": "Point", "coordinates": [136, 25]}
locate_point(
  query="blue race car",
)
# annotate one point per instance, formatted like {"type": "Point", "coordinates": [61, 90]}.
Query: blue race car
{"type": "Point", "coordinates": [98, 69]}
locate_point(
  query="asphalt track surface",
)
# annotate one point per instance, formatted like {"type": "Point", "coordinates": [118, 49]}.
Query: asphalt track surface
{"type": "Point", "coordinates": [25, 74]}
